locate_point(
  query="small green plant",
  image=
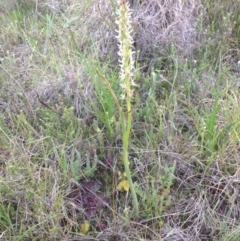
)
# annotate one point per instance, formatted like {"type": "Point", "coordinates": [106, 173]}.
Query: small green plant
{"type": "Point", "coordinates": [6, 215]}
{"type": "Point", "coordinates": [77, 168]}
{"type": "Point", "coordinates": [106, 114]}
{"type": "Point", "coordinates": [60, 124]}
{"type": "Point", "coordinates": [155, 192]}
{"type": "Point", "coordinates": [208, 134]}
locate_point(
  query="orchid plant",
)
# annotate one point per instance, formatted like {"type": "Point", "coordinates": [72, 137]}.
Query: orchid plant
{"type": "Point", "coordinates": [126, 79]}
{"type": "Point", "coordinates": [127, 83]}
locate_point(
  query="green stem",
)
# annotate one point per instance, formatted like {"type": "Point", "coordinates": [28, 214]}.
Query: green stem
{"type": "Point", "coordinates": [126, 134]}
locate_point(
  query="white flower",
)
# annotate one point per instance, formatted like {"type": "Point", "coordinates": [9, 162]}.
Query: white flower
{"type": "Point", "coordinates": [125, 48]}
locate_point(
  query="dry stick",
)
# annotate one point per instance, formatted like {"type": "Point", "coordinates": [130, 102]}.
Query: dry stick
{"type": "Point", "coordinates": [42, 102]}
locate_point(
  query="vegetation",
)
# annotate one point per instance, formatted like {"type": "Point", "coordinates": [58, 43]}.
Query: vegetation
{"type": "Point", "coordinates": [112, 134]}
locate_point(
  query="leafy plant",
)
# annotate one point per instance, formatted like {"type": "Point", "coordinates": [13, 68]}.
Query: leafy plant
{"type": "Point", "coordinates": [79, 167]}
{"type": "Point", "coordinates": [208, 133]}
{"type": "Point", "coordinates": [155, 193]}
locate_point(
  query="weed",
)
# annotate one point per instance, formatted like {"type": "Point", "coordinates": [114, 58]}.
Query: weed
{"type": "Point", "coordinates": [155, 194]}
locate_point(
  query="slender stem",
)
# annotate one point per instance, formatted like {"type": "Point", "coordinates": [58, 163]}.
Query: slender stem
{"type": "Point", "coordinates": [126, 134]}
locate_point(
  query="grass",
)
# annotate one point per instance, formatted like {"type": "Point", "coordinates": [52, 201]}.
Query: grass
{"type": "Point", "coordinates": [61, 146]}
